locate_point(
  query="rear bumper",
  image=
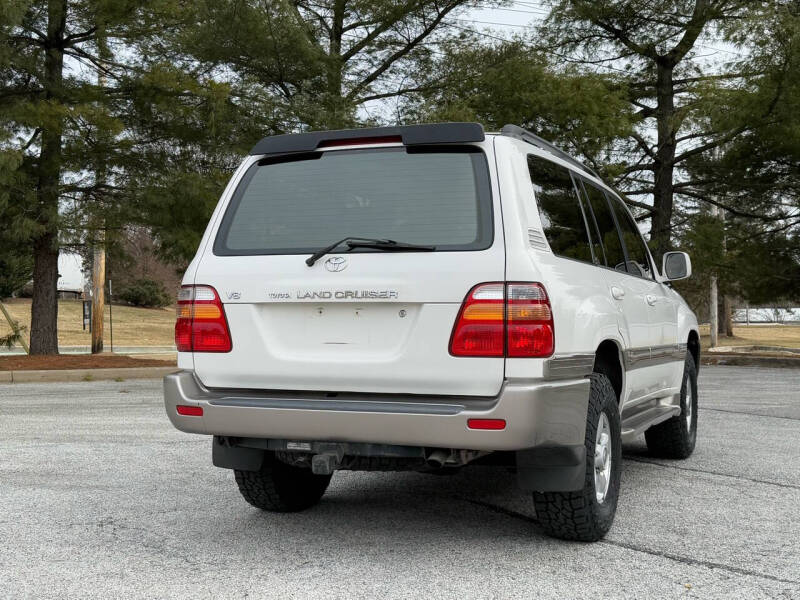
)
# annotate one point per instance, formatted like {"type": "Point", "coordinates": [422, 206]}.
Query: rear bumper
{"type": "Point", "coordinates": [538, 413]}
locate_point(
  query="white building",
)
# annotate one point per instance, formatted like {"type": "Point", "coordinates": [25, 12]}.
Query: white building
{"type": "Point", "coordinates": [767, 315]}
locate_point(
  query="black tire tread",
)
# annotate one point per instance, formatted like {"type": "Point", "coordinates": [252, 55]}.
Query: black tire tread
{"type": "Point", "coordinates": [671, 439]}
{"type": "Point", "coordinates": [279, 487]}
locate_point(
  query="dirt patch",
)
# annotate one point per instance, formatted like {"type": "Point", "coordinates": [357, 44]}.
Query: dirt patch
{"type": "Point", "coordinates": [78, 361]}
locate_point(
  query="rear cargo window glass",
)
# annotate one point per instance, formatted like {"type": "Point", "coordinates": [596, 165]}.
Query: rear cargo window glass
{"type": "Point", "coordinates": [437, 197]}
{"type": "Point", "coordinates": [560, 209]}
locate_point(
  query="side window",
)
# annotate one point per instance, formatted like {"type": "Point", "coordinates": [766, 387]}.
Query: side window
{"type": "Point", "coordinates": [591, 223]}
{"type": "Point", "coordinates": [559, 209]}
{"type": "Point", "coordinates": [638, 262]}
{"type": "Point", "coordinates": [607, 229]}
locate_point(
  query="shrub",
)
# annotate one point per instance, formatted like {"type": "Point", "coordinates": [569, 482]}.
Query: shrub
{"type": "Point", "coordinates": [146, 292]}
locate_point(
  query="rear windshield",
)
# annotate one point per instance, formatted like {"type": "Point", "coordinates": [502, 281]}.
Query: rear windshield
{"type": "Point", "coordinates": [437, 197]}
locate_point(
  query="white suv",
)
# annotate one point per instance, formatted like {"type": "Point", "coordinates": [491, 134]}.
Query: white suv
{"type": "Point", "coordinates": [423, 297]}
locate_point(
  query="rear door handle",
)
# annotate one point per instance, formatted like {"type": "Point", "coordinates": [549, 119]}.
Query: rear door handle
{"type": "Point", "coordinates": [617, 292]}
{"type": "Point", "coordinates": [651, 300]}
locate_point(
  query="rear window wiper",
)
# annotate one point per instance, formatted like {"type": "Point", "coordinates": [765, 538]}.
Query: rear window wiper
{"type": "Point", "coordinates": [378, 244]}
{"type": "Point", "coordinates": [391, 245]}
{"type": "Point", "coordinates": [320, 253]}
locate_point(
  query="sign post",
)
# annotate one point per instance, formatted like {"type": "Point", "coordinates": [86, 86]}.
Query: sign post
{"type": "Point", "coordinates": [87, 314]}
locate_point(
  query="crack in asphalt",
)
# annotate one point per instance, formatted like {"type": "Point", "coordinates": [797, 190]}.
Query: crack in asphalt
{"type": "Point", "coordinates": [695, 562]}
{"type": "Point", "coordinates": [789, 486]}
{"type": "Point", "coordinates": [751, 414]}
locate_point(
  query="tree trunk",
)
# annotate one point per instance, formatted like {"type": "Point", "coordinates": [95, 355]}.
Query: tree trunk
{"type": "Point", "coordinates": [664, 161]}
{"type": "Point", "coordinates": [44, 309]}
{"type": "Point", "coordinates": [337, 114]}
{"type": "Point", "coordinates": [726, 323]}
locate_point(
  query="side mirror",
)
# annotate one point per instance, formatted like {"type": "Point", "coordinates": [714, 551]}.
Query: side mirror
{"type": "Point", "coordinates": [676, 265]}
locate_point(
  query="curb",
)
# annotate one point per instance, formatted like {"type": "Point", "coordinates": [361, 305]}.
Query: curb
{"type": "Point", "coordinates": [744, 360]}
{"type": "Point", "coordinates": [52, 376]}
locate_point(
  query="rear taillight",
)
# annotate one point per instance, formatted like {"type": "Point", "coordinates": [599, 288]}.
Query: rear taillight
{"type": "Point", "coordinates": [530, 321]}
{"type": "Point", "coordinates": [201, 325]}
{"type": "Point", "coordinates": [511, 319]}
{"type": "Point", "coordinates": [480, 327]}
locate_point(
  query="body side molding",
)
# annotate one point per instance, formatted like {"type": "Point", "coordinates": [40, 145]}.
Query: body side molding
{"type": "Point", "coordinates": [637, 358]}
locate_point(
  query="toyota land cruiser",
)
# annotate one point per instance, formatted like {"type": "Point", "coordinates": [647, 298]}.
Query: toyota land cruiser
{"type": "Point", "coordinates": [427, 296]}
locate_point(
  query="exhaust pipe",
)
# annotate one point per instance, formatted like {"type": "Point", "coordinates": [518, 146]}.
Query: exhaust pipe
{"type": "Point", "coordinates": [437, 458]}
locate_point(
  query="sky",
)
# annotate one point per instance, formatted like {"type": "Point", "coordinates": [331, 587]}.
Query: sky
{"type": "Point", "coordinates": [518, 15]}
{"type": "Point", "coordinates": [511, 18]}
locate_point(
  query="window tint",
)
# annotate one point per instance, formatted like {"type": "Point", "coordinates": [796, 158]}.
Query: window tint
{"type": "Point", "coordinates": [594, 233]}
{"type": "Point", "coordinates": [638, 263]}
{"type": "Point", "coordinates": [612, 248]}
{"type": "Point", "coordinates": [290, 206]}
{"type": "Point", "coordinates": [559, 209]}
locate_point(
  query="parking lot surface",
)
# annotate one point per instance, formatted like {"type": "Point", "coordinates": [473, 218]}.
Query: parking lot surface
{"type": "Point", "coordinates": [102, 498]}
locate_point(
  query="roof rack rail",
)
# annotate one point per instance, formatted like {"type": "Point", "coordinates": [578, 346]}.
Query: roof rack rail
{"type": "Point", "coordinates": [410, 135]}
{"type": "Point", "coordinates": [519, 133]}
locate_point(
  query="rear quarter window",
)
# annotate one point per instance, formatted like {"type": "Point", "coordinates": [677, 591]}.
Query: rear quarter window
{"type": "Point", "coordinates": [298, 204]}
{"type": "Point", "coordinates": [560, 210]}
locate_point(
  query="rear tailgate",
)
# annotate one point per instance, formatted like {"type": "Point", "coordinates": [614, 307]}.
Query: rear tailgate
{"type": "Point", "coordinates": [363, 320]}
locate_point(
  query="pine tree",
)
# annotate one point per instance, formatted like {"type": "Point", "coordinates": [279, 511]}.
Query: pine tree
{"type": "Point", "coordinates": [657, 48]}
{"type": "Point", "coordinates": [322, 61]}
{"type": "Point", "coordinates": [70, 69]}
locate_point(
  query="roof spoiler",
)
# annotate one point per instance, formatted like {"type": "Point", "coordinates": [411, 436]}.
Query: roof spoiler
{"type": "Point", "coordinates": [411, 135]}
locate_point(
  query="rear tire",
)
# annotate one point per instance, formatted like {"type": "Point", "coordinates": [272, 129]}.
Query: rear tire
{"type": "Point", "coordinates": [587, 515]}
{"type": "Point", "coordinates": [279, 487]}
{"type": "Point", "coordinates": [676, 437]}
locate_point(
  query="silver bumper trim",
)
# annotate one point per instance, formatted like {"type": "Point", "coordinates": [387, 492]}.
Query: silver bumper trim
{"type": "Point", "coordinates": [538, 413]}
{"type": "Point", "coordinates": [569, 366]}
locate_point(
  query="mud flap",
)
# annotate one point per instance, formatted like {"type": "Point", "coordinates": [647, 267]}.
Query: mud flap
{"type": "Point", "coordinates": [551, 468]}
{"type": "Point", "coordinates": [235, 457]}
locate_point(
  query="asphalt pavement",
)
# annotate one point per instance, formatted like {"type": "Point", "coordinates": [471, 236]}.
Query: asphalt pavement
{"type": "Point", "coordinates": [100, 497]}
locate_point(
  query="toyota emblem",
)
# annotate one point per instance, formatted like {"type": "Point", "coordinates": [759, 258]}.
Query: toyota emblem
{"type": "Point", "coordinates": [336, 263]}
